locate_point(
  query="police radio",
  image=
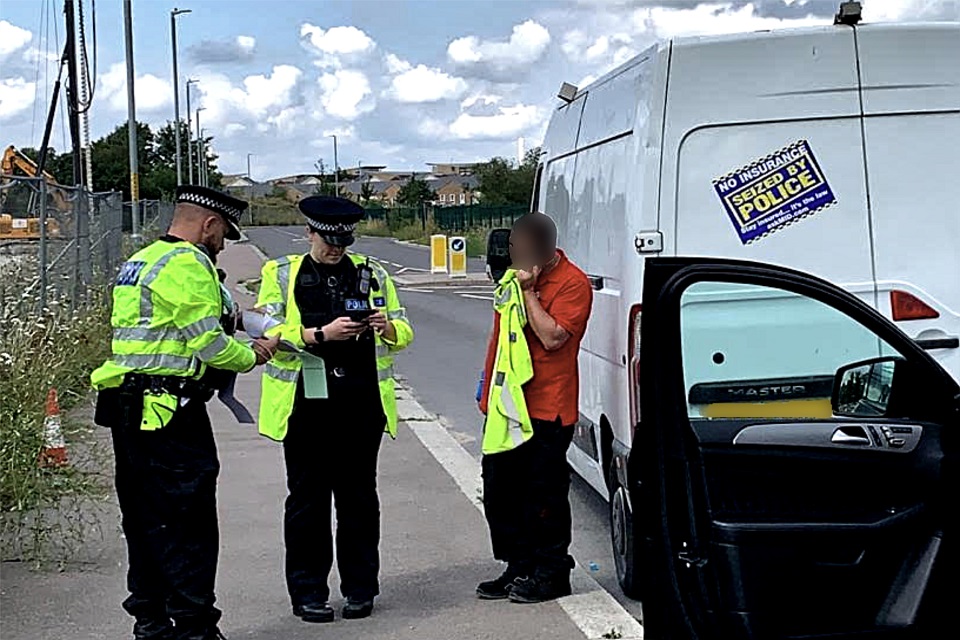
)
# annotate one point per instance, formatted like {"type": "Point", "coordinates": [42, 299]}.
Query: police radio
{"type": "Point", "coordinates": [357, 306]}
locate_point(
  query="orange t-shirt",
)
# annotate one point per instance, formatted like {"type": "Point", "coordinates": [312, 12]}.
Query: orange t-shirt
{"type": "Point", "coordinates": [554, 392]}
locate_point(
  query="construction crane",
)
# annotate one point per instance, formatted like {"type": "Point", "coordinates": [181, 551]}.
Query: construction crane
{"type": "Point", "coordinates": [27, 228]}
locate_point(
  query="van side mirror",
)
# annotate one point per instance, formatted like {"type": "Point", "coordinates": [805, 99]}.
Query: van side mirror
{"type": "Point", "coordinates": [498, 253]}
{"type": "Point", "coordinates": [863, 389]}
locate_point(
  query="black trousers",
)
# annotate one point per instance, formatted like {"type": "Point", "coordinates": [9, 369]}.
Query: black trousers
{"type": "Point", "coordinates": [166, 483]}
{"type": "Point", "coordinates": [527, 503]}
{"type": "Point", "coordinates": [331, 452]}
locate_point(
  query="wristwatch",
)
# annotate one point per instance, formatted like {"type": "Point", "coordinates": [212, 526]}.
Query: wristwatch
{"type": "Point", "coordinates": [318, 335]}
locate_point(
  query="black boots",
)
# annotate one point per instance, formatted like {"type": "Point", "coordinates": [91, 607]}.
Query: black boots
{"type": "Point", "coordinates": [357, 609]}
{"type": "Point", "coordinates": [500, 588]}
{"type": "Point", "coordinates": [318, 613]}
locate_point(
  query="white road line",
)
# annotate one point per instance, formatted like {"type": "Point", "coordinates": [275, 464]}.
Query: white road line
{"type": "Point", "coordinates": [595, 612]}
{"type": "Point", "coordinates": [476, 297]}
{"type": "Point", "coordinates": [396, 264]}
{"type": "Point", "coordinates": [415, 290]}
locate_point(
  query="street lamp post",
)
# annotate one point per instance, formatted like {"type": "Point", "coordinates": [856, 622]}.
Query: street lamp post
{"type": "Point", "coordinates": [202, 159]}
{"type": "Point", "coordinates": [176, 88]}
{"type": "Point", "coordinates": [336, 168]}
{"type": "Point", "coordinates": [199, 144]}
{"type": "Point", "coordinates": [249, 155]}
{"type": "Point", "coordinates": [189, 136]}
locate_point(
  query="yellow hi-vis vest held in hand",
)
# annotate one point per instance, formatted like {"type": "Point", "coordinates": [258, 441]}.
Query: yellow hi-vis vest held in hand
{"type": "Point", "coordinates": [166, 321]}
{"type": "Point", "coordinates": [280, 375]}
{"type": "Point", "coordinates": [508, 423]}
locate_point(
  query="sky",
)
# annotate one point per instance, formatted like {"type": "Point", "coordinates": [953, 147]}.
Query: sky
{"type": "Point", "coordinates": [399, 83]}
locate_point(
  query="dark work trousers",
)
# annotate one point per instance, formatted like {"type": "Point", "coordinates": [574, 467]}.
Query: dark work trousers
{"type": "Point", "coordinates": [166, 484]}
{"type": "Point", "coordinates": [331, 451]}
{"type": "Point", "coordinates": [527, 503]}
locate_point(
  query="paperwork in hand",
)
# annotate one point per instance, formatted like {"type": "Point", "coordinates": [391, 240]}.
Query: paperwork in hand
{"type": "Point", "coordinates": [256, 325]}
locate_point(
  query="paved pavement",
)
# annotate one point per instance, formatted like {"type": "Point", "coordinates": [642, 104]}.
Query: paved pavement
{"type": "Point", "coordinates": [434, 548]}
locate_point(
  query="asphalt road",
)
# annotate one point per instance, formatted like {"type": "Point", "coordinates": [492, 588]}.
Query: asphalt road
{"type": "Point", "coordinates": [452, 325]}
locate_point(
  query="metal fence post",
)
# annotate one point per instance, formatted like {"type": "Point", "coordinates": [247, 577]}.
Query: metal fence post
{"type": "Point", "coordinates": [43, 245]}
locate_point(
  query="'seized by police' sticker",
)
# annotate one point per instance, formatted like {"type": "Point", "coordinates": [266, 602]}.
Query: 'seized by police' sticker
{"type": "Point", "coordinates": [774, 192]}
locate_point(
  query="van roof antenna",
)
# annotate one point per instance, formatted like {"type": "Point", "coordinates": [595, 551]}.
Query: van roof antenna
{"type": "Point", "coordinates": [850, 14]}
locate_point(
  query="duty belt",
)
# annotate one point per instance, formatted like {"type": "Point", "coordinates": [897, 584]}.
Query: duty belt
{"type": "Point", "coordinates": [177, 385]}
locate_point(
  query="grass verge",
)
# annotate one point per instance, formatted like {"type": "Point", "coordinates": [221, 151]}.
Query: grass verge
{"type": "Point", "coordinates": [45, 513]}
{"type": "Point", "coordinates": [415, 232]}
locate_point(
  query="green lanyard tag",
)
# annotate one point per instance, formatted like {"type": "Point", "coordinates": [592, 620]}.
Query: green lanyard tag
{"type": "Point", "coordinates": [314, 376]}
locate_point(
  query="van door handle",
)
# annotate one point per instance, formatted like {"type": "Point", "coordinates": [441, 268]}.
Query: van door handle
{"type": "Point", "coordinates": [855, 436]}
{"type": "Point", "coordinates": [596, 282]}
{"type": "Point", "coordinates": [946, 342]}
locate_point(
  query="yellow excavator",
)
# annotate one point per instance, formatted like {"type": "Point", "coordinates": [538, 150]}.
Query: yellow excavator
{"type": "Point", "coordinates": [27, 228]}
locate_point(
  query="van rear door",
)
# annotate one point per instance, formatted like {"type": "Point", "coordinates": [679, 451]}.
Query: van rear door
{"type": "Point", "coordinates": [769, 160]}
{"type": "Point", "coordinates": [911, 104]}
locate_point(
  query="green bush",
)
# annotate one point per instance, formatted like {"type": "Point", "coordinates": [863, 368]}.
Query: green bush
{"type": "Point", "coordinates": [44, 513]}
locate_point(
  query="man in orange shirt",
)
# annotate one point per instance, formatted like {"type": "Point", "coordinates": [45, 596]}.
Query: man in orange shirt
{"type": "Point", "coordinates": [526, 490]}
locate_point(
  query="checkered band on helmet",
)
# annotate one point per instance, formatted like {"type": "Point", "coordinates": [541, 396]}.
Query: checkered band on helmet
{"type": "Point", "coordinates": [338, 228]}
{"type": "Point", "coordinates": [209, 203]}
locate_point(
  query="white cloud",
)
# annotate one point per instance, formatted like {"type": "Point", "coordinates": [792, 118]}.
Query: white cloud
{"type": "Point", "coordinates": [247, 43]}
{"type": "Point", "coordinates": [233, 128]}
{"type": "Point", "coordinates": [899, 10]}
{"type": "Point", "coordinates": [396, 65]}
{"type": "Point", "coordinates": [336, 45]}
{"type": "Point", "coordinates": [345, 94]}
{"type": "Point", "coordinates": [12, 38]}
{"type": "Point", "coordinates": [527, 44]}
{"type": "Point", "coordinates": [426, 84]}
{"type": "Point", "coordinates": [510, 122]}
{"type": "Point", "coordinates": [16, 96]}
{"type": "Point", "coordinates": [152, 93]}
{"type": "Point", "coordinates": [480, 99]}
{"type": "Point", "coordinates": [34, 55]}
{"type": "Point", "coordinates": [712, 19]}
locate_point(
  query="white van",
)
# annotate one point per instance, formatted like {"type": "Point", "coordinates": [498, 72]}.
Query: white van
{"type": "Point", "coordinates": [833, 150]}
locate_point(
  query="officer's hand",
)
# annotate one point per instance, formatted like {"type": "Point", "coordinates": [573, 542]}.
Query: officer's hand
{"type": "Point", "coordinates": [378, 322]}
{"type": "Point", "coordinates": [343, 329]}
{"type": "Point", "coordinates": [265, 348]}
{"type": "Point", "coordinates": [528, 279]}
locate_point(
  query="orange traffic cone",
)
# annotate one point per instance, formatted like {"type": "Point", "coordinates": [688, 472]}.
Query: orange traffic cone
{"type": "Point", "coordinates": [54, 452]}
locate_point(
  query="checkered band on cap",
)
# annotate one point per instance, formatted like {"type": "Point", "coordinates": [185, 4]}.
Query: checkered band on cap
{"type": "Point", "coordinates": [210, 203]}
{"type": "Point", "coordinates": [338, 228]}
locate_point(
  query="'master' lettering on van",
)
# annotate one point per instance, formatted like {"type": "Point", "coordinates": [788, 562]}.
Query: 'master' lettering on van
{"type": "Point", "coordinates": [774, 192]}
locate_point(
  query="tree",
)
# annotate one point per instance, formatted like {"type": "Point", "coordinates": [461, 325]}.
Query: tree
{"type": "Point", "coordinates": [366, 192]}
{"type": "Point", "coordinates": [60, 166]}
{"type": "Point", "coordinates": [503, 182]}
{"type": "Point", "coordinates": [415, 193]}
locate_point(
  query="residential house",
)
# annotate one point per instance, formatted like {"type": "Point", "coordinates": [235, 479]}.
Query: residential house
{"type": "Point", "coordinates": [441, 169]}
{"type": "Point", "coordinates": [455, 190]}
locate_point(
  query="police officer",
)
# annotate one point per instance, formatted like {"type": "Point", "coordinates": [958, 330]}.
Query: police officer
{"type": "Point", "coordinates": [167, 340]}
{"type": "Point", "coordinates": [330, 405]}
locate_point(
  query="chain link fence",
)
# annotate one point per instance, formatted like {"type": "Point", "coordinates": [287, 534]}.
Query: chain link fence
{"type": "Point", "coordinates": [61, 242]}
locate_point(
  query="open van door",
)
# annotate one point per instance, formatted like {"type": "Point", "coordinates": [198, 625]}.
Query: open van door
{"type": "Point", "coordinates": [758, 521]}
{"type": "Point", "coordinates": [498, 253]}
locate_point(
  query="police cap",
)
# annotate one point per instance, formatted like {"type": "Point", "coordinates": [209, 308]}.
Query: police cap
{"type": "Point", "coordinates": [335, 219]}
{"type": "Point", "coordinates": [226, 206]}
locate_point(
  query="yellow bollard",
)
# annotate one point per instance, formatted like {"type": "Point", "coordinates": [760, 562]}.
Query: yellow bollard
{"type": "Point", "coordinates": [438, 253]}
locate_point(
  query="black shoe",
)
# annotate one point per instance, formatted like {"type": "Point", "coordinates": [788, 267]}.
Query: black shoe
{"type": "Point", "coordinates": [357, 609]}
{"type": "Point", "coordinates": [500, 588]}
{"type": "Point", "coordinates": [539, 589]}
{"type": "Point", "coordinates": [314, 612]}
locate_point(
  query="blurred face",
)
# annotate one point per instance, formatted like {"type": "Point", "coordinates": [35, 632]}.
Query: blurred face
{"type": "Point", "coordinates": [523, 251]}
{"type": "Point", "coordinates": [322, 251]}
{"type": "Point", "coordinates": [213, 230]}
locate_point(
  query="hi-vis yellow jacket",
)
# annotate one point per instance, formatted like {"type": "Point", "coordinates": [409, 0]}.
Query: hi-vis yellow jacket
{"type": "Point", "coordinates": [508, 423]}
{"type": "Point", "coordinates": [166, 318]}
{"type": "Point", "coordinates": [279, 382]}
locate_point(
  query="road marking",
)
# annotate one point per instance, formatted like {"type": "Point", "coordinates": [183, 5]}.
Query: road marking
{"type": "Point", "coordinates": [476, 297]}
{"type": "Point", "coordinates": [414, 290]}
{"type": "Point", "coordinates": [405, 269]}
{"type": "Point", "coordinates": [595, 612]}
{"type": "Point", "coordinates": [396, 264]}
